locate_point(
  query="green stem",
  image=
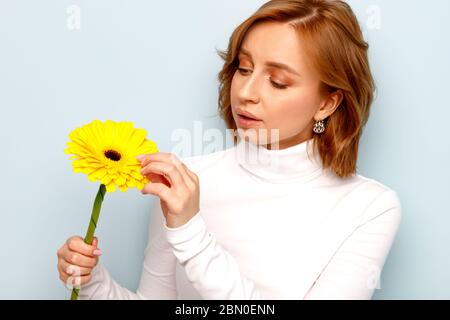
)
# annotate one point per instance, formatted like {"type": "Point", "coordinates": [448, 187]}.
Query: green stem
{"type": "Point", "coordinates": [92, 225]}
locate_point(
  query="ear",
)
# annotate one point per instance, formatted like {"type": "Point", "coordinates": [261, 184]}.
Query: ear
{"type": "Point", "coordinates": [331, 102]}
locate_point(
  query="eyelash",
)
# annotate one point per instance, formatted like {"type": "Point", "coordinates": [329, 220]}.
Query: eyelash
{"type": "Point", "coordinates": [274, 84]}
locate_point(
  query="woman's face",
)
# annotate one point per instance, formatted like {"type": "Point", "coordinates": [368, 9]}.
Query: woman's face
{"type": "Point", "coordinates": [276, 84]}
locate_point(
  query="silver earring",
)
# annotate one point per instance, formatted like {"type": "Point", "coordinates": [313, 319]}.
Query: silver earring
{"type": "Point", "coordinates": [319, 127]}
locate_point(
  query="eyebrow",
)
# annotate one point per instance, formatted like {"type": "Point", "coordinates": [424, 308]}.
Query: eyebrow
{"type": "Point", "coordinates": [278, 65]}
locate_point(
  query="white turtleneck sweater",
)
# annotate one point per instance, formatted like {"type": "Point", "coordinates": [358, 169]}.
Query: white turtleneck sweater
{"type": "Point", "coordinates": [272, 225]}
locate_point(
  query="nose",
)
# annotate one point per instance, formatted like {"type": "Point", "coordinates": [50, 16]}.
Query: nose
{"type": "Point", "coordinates": [249, 90]}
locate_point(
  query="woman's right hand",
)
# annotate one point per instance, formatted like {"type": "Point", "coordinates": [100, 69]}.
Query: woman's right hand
{"type": "Point", "coordinates": [76, 259]}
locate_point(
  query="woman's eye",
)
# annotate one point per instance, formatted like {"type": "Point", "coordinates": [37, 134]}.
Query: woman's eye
{"type": "Point", "coordinates": [243, 71]}
{"type": "Point", "coordinates": [278, 85]}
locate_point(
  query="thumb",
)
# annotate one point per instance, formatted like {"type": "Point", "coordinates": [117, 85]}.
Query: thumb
{"type": "Point", "coordinates": [95, 242]}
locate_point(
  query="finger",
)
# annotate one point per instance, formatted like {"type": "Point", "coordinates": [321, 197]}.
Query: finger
{"type": "Point", "coordinates": [73, 269]}
{"type": "Point", "coordinates": [167, 170]}
{"type": "Point", "coordinates": [62, 274]}
{"type": "Point", "coordinates": [79, 259]}
{"type": "Point", "coordinates": [71, 278]}
{"type": "Point", "coordinates": [159, 156]}
{"type": "Point", "coordinates": [158, 189]}
{"type": "Point", "coordinates": [191, 175]}
{"type": "Point", "coordinates": [77, 244]}
{"type": "Point", "coordinates": [74, 280]}
{"type": "Point", "coordinates": [169, 158]}
{"type": "Point", "coordinates": [85, 279]}
{"type": "Point", "coordinates": [154, 177]}
{"type": "Point", "coordinates": [61, 271]}
{"type": "Point", "coordinates": [95, 242]}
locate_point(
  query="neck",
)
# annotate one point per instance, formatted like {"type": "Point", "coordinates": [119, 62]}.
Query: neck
{"type": "Point", "coordinates": [289, 142]}
{"type": "Point", "coordinates": [293, 163]}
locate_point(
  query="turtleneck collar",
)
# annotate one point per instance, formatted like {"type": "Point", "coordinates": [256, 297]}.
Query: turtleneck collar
{"type": "Point", "coordinates": [293, 164]}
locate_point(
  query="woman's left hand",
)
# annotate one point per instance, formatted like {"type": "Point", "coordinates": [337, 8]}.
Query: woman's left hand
{"type": "Point", "coordinates": [176, 186]}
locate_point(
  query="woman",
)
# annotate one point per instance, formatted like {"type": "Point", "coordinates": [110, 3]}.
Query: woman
{"type": "Point", "coordinates": [297, 223]}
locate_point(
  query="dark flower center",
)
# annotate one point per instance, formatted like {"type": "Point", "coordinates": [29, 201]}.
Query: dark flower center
{"type": "Point", "coordinates": [112, 155]}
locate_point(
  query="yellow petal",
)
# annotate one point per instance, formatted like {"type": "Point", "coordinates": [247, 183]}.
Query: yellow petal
{"type": "Point", "coordinates": [139, 185]}
{"type": "Point", "coordinates": [136, 175]}
{"type": "Point", "coordinates": [88, 143]}
{"type": "Point", "coordinates": [111, 187]}
{"type": "Point", "coordinates": [137, 138]}
{"type": "Point", "coordinates": [131, 183]}
{"type": "Point", "coordinates": [106, 179]}
{"type": "Point", "coordinates": [119, 181]}
{"type": "Point", "coordinates": [97, 175]}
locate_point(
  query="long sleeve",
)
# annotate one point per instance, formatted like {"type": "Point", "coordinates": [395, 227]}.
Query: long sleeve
{"type": "Point", "coordinates": [213, 271]}
{"type": "Point", "coordinates": [354, 271]}
{"type": "Point", "coordinates": [158, 273]}
{"type": "Point", "coordinates": [351, 273]}
{"type": "Point", "coordinates": [102, 287]}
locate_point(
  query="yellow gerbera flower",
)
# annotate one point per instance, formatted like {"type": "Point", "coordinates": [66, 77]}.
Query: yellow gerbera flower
{"type": "Point", "coordinates": [107, 151]}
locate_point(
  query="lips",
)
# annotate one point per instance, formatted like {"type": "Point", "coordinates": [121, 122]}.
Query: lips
{"type": "Point", "coordinates": [247, 115]}
{"type": "Point", "coordinates": [248, 120]}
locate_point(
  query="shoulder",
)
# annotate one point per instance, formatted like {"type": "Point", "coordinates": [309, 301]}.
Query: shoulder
{"type": "Point", "coordinates": [379, 198]}
{"type": "Point", "coordinates": [200, 164]}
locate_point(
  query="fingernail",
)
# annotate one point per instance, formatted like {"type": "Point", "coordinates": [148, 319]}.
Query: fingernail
{"type": "Point", "coordinates": [140, 157]}
{"type": "Point", "coordinates": [97, 252]}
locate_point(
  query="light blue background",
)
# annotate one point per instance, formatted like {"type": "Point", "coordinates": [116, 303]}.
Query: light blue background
{"type": "Point", "coordinates": [154, 63]}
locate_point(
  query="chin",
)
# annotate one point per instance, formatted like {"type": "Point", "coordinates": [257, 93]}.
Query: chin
{"type": "Point", "coordinates": [258, 136]}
